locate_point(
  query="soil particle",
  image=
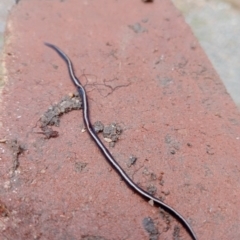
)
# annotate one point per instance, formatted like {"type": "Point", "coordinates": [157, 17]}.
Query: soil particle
{"type": "Point", "coordinates": [209, 150]}
{"type": "Point", "coordinates": [79, 166]}
{"type": "Point", "coordinates": [137, 28]}
{"type": "Point", "coordinates": [167, 219]}
{"type": "Point", "coordinates": [149, 226]}
{"type": "Point", "coordinates": [92, 238]}
{"type": "Point", "coordinates": [4, 212]}
{"type": "Point", "coordinates": [160, 178]}
{"type": "Point", "coordinates": [131, 161]}
{"type": "Point", "coordinates": [16, 148]}
{"type": "Point", "coordinates": [166, 193]}
{"type": "Point", "coordinates": [68, 103]}
{"type": "Point", "coordinates": [176, 233]}
{"type": "Point", "coordinates": [52, 116]}
{"type": "Point", "coordinates": [98, 126]}
{"type": "Point", "coordinates": [48, 132]}
{"type": "Point", "coordinates": [153, 176]}
{"type": "Point", "coordinates": [172, 143]}
{"type": "Point", "coordinates": [111, 132]}
{"type": "Point", "coordinates": [151, 189]}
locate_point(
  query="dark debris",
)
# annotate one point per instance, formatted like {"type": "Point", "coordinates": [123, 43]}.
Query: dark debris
{"type": "Point", "coordinates": [87, 237]}
{"type": "Point", "coordinates": [16, 148]}
{"type": "Point", "coordinates": [152, 230]}
{"type": "Point", "coordinates": [209, 149]}
{"type": "Point", "coordinates": [137, 28]}
{"type": "Point", "coordinates": [167, 219]}
{"type": "Point", "coordinates": [132, 160]}
{"type": "Point", "coordinates": [172, 143]}
{"type": "Point", "coordinates": [52, 116]}
{"type": "Point", "coordinates": [4, 212]}
{"type": "Point", "coordinates": [48, 132]}
{"type": "Point", "coordinates": [176, 233]}
{"type": "Point", "coordinates": [111, 132]}
{"type": "Point", "coordinates": [98, 126]}
{"type": "Point", "coordinates": [151, 189]}
{"type": "Point", "coordinates": [79, 166]}
{"type": "Point", "coordinates": [67, 104]}
{"type": "Point", "coordinates": [153, 176]}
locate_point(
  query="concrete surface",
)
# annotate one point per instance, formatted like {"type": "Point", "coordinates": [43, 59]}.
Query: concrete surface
{"type": "Point", "coordinates": [145, 70]}
{"type": "Point", "coordinates": [5, 6]}
{"type": "Point", "coordinates": [216, 24]}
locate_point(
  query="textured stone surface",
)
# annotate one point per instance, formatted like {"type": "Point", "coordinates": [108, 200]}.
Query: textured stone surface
{"type": "Point", "coordinates": [143, 70]}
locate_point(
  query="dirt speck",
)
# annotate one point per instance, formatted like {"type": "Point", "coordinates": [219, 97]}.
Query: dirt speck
{"type": "Point", "coordinates": [111, 132]}
{"type": "Point", "coordinates": [92, 238]}
{"type": "Point", "coordinates": [4, 212]}
{"type": "Point", "coordinates": [150, 227]}
{"type": "Point", "coordinates": [160, 178]}
{"type": "Point", "coordinates": [79, 166]}
{"type": "Point", "coordinates": [172, 143]}
{"type": "Point", "coordinates": [176, 233]}
{"type": "Point", "coordinates": [167, 219]}
{"type": "Point", "coordinates": [67, 104]}
{"type": "Point", "coordinates": [209, 149]}
{"type": "Point", "coordinates": [137, 28]}
{"type": "Point", "coordinates": [98, 126]}
{"type": "Point", "coordinates": [16, 148]}
{"type": "Point", "coordinates": [48, 132]}
{"type": "Point", "coordinates": [153, 176]}
{"type": "Point", "coordinates": [151, 189]}
{"type": "Point", "coordinates": [131, 161]}
{"type": "Point", "coordinates": [52, 116]}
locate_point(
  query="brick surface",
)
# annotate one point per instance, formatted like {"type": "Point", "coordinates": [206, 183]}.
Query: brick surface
{"type": "Point", "coordinates": [143, 69]}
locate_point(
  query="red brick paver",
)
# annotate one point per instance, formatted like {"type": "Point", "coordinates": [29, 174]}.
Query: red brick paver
{"type": "Point", "coordinates": [145, 71]}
